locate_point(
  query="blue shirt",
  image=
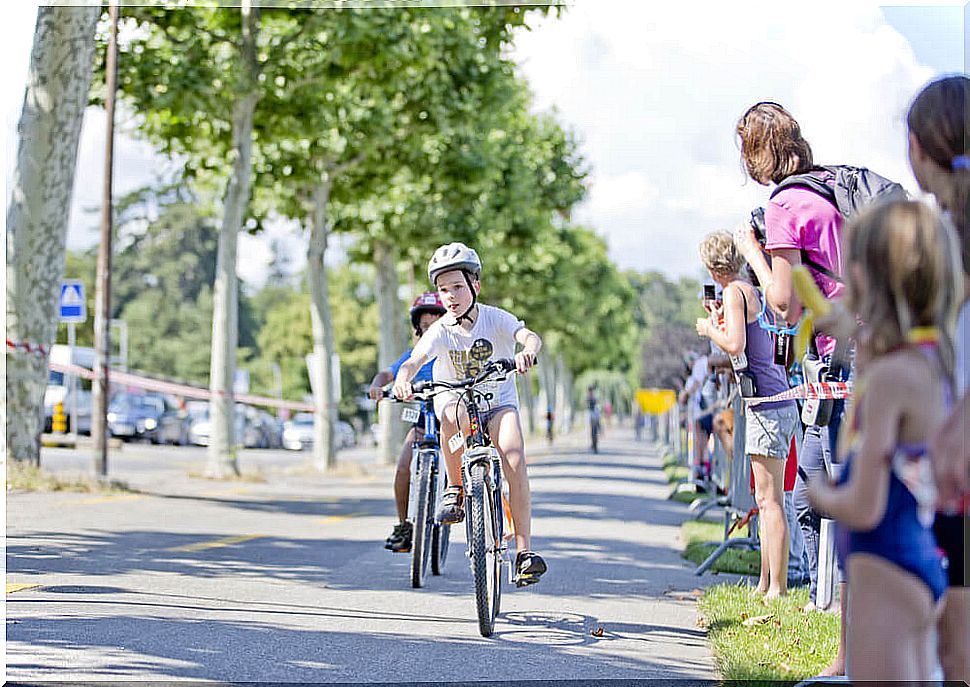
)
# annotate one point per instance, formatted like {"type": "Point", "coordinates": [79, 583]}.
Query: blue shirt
{"type": "Point", "coordinates": [424, 374]}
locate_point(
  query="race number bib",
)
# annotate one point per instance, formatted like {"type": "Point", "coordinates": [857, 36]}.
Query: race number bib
{"type": "Point", "coordinates": [410, 415]}
{"type": "Point", "coordinates": [456, 442]}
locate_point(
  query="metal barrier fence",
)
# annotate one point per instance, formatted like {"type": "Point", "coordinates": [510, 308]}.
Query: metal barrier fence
{"type": "Point", "coordinates": [733, 478]}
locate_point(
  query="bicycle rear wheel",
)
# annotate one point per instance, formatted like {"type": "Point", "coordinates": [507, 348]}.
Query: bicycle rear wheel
{"type": "Point", "coordinates": [421, 537]}
{"type": "Point", "coordinates": [486, 561]}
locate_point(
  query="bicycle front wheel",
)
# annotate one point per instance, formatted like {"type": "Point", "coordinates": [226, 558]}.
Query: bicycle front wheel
{"type": "Point", "coordinates": [440, 540]}
{"type": "Point", "coordinates": [421, 537]}
{"type": "Point", "coordinates": [484, 545]}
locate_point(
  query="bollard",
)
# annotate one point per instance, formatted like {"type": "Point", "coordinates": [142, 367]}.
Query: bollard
{"type": "Point", "coordinates": [59, 421]}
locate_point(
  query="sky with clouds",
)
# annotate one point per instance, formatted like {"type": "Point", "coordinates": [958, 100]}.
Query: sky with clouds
{"type": "Point", "coordinates": [652, 92]}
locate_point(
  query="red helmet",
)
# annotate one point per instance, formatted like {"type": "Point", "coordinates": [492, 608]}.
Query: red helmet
{"type": "Point", "coordinates": [428, 301]}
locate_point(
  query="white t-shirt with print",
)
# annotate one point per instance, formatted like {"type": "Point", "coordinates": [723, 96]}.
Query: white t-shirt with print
{"type": "Point", "coordinates": [461, 353]}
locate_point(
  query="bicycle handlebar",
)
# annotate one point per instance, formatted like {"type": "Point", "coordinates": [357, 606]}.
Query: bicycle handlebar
{"type": "Point", "coordinates": [426, 390]}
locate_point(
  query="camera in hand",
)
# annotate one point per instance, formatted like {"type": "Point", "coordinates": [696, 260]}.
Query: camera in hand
{"type": "Point", "coordinates": [757, 223]}
{"type": "Point", "coordinates": [710, 293]}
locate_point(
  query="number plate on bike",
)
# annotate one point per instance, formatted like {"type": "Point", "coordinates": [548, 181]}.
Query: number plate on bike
{"type": "Point", "coordinates": [410, 414]}
{"type": "Point", "coordinates": [456, 442]}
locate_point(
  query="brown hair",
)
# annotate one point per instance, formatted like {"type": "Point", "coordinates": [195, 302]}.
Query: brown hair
{"type": "Point", "coordinates": [719, 254]}
{"type": "Point", "coordinates": [909, 275]}
{"type": "Point", "coordinates": [939, 118]}
{"type": "Point", "coordinates": [772, 146]}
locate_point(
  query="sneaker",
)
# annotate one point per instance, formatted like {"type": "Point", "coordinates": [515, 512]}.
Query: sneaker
{"type": "Point", "coordinates": [529, 567]}
{"type": "Point", "coordinates": [451, 511]}
{"type": "Point", "coordinates": [400, 539]}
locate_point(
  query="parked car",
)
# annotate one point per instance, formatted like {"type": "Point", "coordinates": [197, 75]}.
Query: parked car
{"type": "Point", "coordinates": [344, 436]}
{"type": "Point", "coordinates": [271, 428]}
{"type": "Point", "coordinates": [146, 416]}
{"type": "Point", "coordinates": [298, 432]}
{"type": "Point", "coordinates": [260, 430]}
{"type": "Point", "coordinates": [200, 426]}
{"type": "Point", "coordinates": [199, 423]}
{"type": "Point", "coordinates": [57, 392]}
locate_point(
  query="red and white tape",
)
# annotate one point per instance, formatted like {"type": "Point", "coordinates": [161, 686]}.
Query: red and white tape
{"type": "Point", "coordinates": [149, 384]}
{"type": "Point", "coordinates": [807, 391]}
{"type": "Point", "coordinates": [27, 347]}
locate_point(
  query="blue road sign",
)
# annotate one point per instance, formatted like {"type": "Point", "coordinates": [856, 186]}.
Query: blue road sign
{"type": "Point", "coordinates": [71, 305]}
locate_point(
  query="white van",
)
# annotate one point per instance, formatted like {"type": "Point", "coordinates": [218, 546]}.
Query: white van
{"type": "Point", "coordinates": [58, 388]}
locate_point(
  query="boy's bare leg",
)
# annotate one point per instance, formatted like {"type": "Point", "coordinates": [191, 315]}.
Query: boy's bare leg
{"type": "Point", "coordinates": [402, 477]}
{"type": "Point", "coordinates": [506, 432]}
{"type": "Point", "coordinates": [449, 427]}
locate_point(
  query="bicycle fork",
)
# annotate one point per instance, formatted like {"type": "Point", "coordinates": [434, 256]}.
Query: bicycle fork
{"type": "Point", "coordinates": [488, 456]}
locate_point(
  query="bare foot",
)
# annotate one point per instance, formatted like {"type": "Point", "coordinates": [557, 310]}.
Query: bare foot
{"type": "Point", "coordinates": [775, 593]}
{"type": "Point", "coordinates": [809, 607]}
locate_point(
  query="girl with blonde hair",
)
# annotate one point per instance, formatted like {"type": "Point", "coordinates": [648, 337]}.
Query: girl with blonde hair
{"type": "Point", "coordinates": [903, 281]}
{"type": "Point", "coordinates": [769, 427]}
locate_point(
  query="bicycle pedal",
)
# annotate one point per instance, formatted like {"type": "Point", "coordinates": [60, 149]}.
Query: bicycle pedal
{"type": "Point", "coordinates": [526, 580]}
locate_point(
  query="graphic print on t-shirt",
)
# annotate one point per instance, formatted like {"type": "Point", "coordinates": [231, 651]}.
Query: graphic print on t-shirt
{"type": "Point", "coordinates": [470, 362]}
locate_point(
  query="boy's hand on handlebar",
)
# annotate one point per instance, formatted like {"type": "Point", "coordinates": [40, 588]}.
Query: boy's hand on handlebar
{"type": "Point", "coordinates": [403, 391]}
{"type": "Point", "coordinates": [524, 360]}
{"type": "Point", "coordinates": [375, 393]}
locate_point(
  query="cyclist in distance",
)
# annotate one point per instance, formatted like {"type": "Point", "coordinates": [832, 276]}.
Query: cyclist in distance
{"type": "Point", "coordinates": [593, 407]}
{"type": "Point", "coordinates": [461, 343]}
{"type": "Point", "coordinates": [426, 310]}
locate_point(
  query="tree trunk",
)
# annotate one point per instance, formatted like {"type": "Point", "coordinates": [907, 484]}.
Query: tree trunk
{"type": "Point", "coordinates": [325, 407]}
{"type": "Point", "coordinates": [222, 461]}
{"type": "Point", "coordinates": [563, 395]}
{"type": "Point", "coordinates": [38, 211]}
{"type": "Point", "coordinates": [528, 402]}
{"type": "Point", "coordinates": [547, 384]}
{"type": "Point", "coordinates": [391, 343]}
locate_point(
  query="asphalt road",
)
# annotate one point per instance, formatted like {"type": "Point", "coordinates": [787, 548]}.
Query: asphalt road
{"type": "Point", "coordinates": [286, 579]}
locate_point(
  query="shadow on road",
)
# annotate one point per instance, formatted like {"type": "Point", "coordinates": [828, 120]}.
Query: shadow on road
{"type": "Point", "coordinates": [254, 650]}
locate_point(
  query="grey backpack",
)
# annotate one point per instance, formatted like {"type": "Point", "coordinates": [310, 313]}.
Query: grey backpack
{"type": "Point", "coordinates": [848, 188]}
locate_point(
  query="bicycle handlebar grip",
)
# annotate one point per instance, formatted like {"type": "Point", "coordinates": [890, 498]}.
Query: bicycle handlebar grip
{"type": "Point", "coordinates": [505, 364]}
{"type": "Point", "coordinates": [421, 387]}
{"type": "Point", "coordinates": [808, 291]}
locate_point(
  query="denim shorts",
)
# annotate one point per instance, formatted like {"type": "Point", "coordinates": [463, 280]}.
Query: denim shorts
{"type": "Point", "coordinates": [769, 432]}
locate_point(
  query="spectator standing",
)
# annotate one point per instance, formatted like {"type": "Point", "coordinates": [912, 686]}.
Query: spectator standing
{"type": "Point", "coordinates": [797, 222]}
{"type": "Point", "coordinates": [769, 427]}
{"type": "Point", "coordinates": [939, 132]}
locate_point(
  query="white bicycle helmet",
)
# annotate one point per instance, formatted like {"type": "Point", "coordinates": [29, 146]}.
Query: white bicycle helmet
{"type": "Point", "coordinates": [454, 256]}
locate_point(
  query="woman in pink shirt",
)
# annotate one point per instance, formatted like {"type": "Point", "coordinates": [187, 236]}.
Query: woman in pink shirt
{"type": "Point", "coordinates": [800, 227]}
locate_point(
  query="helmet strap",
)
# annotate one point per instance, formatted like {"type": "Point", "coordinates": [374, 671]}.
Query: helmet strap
{"type": "Point", "coordinates": [471, 288]}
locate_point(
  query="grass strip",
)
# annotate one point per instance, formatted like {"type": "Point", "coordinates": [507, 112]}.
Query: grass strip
{"type": "Point", "coordinates": [675, 470]}
{"type": "Point", "coordinates": [24, 476]}
{"type": "Point", "coordinates": [697, 537]}
{"type": "Point", "coordinates": [757, 639]}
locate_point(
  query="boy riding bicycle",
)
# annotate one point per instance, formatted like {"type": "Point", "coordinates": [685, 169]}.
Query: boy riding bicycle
{"type": "Point", "coordinates": [461, 343]}
{"type": "Point", "coordinates": [425, 311]}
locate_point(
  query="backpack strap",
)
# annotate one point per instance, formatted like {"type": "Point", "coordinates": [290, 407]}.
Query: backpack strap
{"type": "Point", "coordinates": [819, 268]}
{"type": "Point", "coordinates": [809, 180]}
{"type": "Point", "coordinates": [813, 182]}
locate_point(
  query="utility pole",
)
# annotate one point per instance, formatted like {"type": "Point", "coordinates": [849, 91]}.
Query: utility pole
{"type": "Point", "coordinates": [102, 310]}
